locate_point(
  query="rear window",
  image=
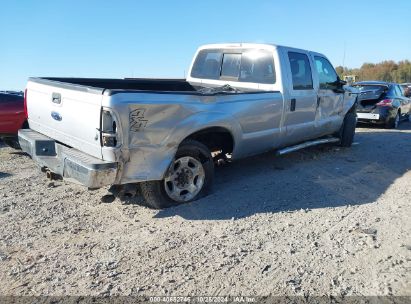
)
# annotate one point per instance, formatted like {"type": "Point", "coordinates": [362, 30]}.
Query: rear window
{"type": "Point", "coordinates": [370, 87]}
{"type": "Point", "coordinates": [231, 66]}
{"type": "Point", "coordinates": [207, 65]}
{"type": "Point", "coordinates": [10, 98]}
{"type": "Point", "coordinates": [256, 66]}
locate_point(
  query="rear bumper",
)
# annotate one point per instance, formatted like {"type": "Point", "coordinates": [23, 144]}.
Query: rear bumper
{"type": "Point", "coordinates": [376, 115]}
{"type": "Point", "coordinates": [67, 162]}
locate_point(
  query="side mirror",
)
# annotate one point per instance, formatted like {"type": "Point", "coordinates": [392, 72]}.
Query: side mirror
{"type": "Point", "coordinates": [337, 86]}
{"type": "Point", "coordinates": [341, 82]}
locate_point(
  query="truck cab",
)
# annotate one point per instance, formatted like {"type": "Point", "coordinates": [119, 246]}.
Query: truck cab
{"type": "Point", "coordinates": [313, 94]}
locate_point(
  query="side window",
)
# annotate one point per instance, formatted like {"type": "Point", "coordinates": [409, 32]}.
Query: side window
{"type": "Point", "coordinates": [399, 91]}
{"type": "Point", "coordinates": [16, 98]}
{"type": "Point", "coordinates": [12, 98]}
{"type": "Point", "coordinates": [301, 71]}
{"type": "Point", "coordinates": [231, 66]}
{"type": "Point", "coordinates": [257, 66]}
{"type": "Point", "coordinates": [207, 64]}
{"type": "Point", "coordinates": [326, 73]}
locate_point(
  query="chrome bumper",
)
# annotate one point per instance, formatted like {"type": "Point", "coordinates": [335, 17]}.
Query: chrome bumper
{"type": "Point", "coordinates": [67, 162]}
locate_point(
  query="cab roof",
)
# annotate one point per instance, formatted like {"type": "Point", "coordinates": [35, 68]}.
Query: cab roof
{"type": "Point", "coordinates": [249, 45]}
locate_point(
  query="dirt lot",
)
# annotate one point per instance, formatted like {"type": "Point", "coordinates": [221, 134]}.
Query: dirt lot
{"type": "Point", "coordinates": [320, 221]}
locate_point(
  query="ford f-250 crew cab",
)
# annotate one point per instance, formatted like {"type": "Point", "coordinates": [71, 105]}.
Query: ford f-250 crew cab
{"type": "Point", "coordinates": [238, 100]}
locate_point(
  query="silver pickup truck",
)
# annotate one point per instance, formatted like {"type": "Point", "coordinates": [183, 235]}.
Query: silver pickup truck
{"type": "Point", "coordinates": [165, 135]}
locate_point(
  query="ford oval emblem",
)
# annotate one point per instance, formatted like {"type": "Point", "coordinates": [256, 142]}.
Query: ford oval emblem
{"type": "Point", "coordinates": [56, 116]}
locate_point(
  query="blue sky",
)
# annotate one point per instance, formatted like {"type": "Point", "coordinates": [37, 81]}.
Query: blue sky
{"type": "Point", "coordinates": [154, 38]}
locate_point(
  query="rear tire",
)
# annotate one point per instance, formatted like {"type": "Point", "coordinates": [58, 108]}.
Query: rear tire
{"type": "Point", "coordinates": [189, 178]}
{"type": "Point", "coordinates": [347, 131]}
{"type": "Point", "coordinates": [393, 123]}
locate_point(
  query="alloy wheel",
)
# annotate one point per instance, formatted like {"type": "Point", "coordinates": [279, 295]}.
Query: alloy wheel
{"type": "Point", "coordinates": [185, 179]}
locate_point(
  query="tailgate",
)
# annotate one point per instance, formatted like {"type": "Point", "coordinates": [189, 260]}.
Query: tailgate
{"type": "Point", "coordinates": [68, 115]}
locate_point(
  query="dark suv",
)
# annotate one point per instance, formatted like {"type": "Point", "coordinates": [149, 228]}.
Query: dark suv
{"type": "Point", "coordinates": [382, 102]}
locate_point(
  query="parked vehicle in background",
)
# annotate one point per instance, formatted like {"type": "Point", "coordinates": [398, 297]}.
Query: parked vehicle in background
{"type": "Point", "coordinates": [382, 103]}
{"type": "Point", "coordinates": [407, 89]}
{"type": "Point", "coordinates": [12, 117]}
{"type": "Point", "coordinates": [20, 93]}
{"type": "Point", "coordinates": [239, 100]}
{"type": "Point", "coordinates": [350, 79]}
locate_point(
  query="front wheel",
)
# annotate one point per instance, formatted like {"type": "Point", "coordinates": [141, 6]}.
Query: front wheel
{"type": "Point", "coordinates": [347, 130]}
{"type": "Point", "coordinates": [188, 178]}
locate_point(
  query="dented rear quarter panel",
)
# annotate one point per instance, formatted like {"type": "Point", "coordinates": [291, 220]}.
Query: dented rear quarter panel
{"type": "Point", "coordinates": [154, 124]}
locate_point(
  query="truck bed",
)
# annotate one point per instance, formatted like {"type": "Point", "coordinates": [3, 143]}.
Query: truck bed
{"type": "Point", "coordinates": [99, 85]}
{"type": "Point", "coordinates": [115, 85]}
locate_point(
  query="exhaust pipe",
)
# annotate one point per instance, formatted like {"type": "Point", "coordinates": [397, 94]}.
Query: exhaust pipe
{"type": "Point", "coordinates": [123, 192]}
{"type": "Point", "coordinates": [52, 176]}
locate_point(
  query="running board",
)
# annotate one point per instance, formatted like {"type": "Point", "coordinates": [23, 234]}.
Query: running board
{"type": "Point", "coordinates": [307, 144]}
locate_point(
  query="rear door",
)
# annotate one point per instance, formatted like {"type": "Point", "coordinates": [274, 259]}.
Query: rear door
{"type": "Point", "coordinates": [301, 98]}
{"type": "Point", "coordinates": [68, 115]}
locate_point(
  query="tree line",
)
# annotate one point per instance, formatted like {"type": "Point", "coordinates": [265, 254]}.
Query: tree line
{"type": "Point", "coordinates": [388, 70]}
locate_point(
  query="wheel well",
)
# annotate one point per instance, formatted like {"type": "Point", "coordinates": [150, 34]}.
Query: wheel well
{"type": "Point", "coordinates": [354, 106]}
{"type": "Point", "coordinates": [25, 125]}
{"type": "Point", "coordinates": [215, 138]}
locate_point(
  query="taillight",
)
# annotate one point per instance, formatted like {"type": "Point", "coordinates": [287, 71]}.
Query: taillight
{"type": "Point", "coordinates": [26, 114]}
{"type": "Point", "coordinates": [108, 129]}
{"type": "Point", "coordinates": [385, 103]}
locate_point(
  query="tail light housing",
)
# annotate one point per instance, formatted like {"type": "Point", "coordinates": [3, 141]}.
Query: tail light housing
{"type": "Point", "coordinates": [26, 114]}
{"type": "Point", "coordinates": [109, 136]}
{"type": "Point", "coordinates": [385, 103]}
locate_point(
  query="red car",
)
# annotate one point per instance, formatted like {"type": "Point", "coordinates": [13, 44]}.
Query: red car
{"type": "Point", "coordinates": [12, 117]}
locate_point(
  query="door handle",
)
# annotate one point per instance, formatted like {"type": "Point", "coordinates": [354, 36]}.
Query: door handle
{"type": "Point", "coordinates": [318, 101]}
{"type": "Point", "coordinates": [56, 98]}
{"type": "Point", "coordinates": [292, 106]}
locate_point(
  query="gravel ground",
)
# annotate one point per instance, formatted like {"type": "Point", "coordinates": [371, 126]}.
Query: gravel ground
{"type": "Point", "coordinates": [322, 221]}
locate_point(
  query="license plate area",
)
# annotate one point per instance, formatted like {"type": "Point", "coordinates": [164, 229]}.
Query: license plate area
{"type": "Point", "coordinates": [369, 116]}
{"type": "Point", "coordinates": [45, 148]}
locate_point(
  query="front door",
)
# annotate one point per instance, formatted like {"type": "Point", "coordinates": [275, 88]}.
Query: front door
{"type": "Point", "coordinates": [330, 97]}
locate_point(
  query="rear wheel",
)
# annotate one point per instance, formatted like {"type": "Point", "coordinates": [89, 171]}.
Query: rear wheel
{"type": "Point", "coordinates": [393, 123]}
{"type": "Point", "coordinates": [347, 130]}
{"type": "Point", "coordinates": [188, 178]}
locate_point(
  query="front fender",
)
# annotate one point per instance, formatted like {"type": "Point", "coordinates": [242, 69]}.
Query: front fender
{"type": "Point", "coordinates": [350, 99]}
